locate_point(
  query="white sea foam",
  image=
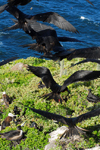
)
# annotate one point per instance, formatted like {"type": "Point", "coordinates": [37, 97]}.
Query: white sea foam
{"type": "Point", "coordinates": [3, 33]}
{"type": "Point", "coordinates": [83, 18]}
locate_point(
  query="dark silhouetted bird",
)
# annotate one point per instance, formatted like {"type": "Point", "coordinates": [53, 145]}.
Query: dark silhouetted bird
{"type": "Point", "coordinates": [13, 3]}
{"type": "Point", "coordinates": [45, 75]}
{"type": "Point", "coordinates": [71, 122]}
{"type": "Point", "coordinates": [92, 98]}
{"type": "Point", "coordinates": [46, 36]}
{"type": "Point", "coordinates": [13, 135]}
{"type": "Point", "coordinates": [7, 121]}
{"type": "Point", "coordinates": [50, 17]}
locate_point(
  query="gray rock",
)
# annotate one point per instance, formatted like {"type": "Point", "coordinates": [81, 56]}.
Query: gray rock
{"type": "Point", "coordinates": [19, 66]}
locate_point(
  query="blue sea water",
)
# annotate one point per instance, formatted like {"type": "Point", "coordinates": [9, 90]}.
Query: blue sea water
{"type": "Point", "coordinates": [81, 14]}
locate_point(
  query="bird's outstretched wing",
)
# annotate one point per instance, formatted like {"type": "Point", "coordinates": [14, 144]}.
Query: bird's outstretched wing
{"type": "Point", "coordinates": [67, 39]}
{"type": "Point", "coordinates": [7, 61]}
{"type": "Point", "coordinates": [44, 74]}
{"type": "Point", "coordinates": [49, 115]}
{"type": "Point", "coordinates": [88, 115]}
{"type": "Point", "coordinates": [13, 3]}
{"type": "Point", "coordinates": [56, 19]}
{"type": "Point", "coordinates": [81, 75]}
{"type": "Point", "coordinates": [91, 52]}
{"type": "Point", "coordinates": [18, 2]}
{"type": "Point", "coordinates": [86, 60]}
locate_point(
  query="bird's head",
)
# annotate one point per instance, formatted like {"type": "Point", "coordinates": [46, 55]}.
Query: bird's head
{"type": "Point", "coordinates": [11, 115]}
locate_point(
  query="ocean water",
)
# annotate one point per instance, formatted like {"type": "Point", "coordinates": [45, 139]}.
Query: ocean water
{"type": "Point", "coordinates": [81, 14]}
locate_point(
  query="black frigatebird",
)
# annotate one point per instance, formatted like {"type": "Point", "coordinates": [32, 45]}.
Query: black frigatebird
{"type": "Point", "coordinates": [71, 122]}
{"type": "Point", "coordinates": [45, 74]}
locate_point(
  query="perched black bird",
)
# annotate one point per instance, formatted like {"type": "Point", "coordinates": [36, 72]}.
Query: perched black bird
{"type": "Point", "coordinates": [13, 3]}
{"type": "Point", "coordinates": [86, 60]}
{"type": "Point", "coordinates": [7, 121]}
{"type": "Point", "coordinates": [45, 75]}
{"type": "Point", "coordinates": [92, 98]}
{"type": "Point", "coordinates": [71, 122]}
